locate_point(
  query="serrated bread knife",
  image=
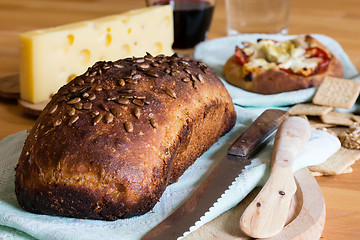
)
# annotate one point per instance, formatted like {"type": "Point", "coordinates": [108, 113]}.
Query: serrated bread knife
{"type": "Point", "coordinates": [255, 137]}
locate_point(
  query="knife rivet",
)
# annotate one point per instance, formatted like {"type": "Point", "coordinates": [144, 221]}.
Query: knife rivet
{"type": "Point", "coordinates": [242, 140]}
{"type": "Point", "coordinates": [260, 124]}
{"type": "Point", "coordinates": [282, 193]}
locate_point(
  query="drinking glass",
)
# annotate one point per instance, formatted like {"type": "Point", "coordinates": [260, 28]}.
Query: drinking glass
{"type": "Point", "coordinates": [257, 16]}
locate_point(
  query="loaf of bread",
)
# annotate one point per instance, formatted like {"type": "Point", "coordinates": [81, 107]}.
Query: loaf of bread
{"type": "Point", "coordinates": [112, 139]}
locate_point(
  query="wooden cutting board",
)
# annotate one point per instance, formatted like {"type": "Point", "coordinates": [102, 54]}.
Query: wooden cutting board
{"type": "Point", "coordinates": [305, 221]}
{"type": "Point", "coordinates": [10, 89]}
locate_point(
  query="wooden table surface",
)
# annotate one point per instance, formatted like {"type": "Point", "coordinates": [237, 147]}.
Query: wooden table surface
{"type": "Point", "coordinates": [339, 19]}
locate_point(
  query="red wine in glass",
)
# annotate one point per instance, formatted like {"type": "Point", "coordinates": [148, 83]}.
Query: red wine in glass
{"type": "Point", "coordinates": [192, 20]}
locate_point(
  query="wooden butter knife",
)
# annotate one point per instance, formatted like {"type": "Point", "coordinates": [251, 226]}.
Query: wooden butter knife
{"type": "Point", "coordinates": [267, 213]}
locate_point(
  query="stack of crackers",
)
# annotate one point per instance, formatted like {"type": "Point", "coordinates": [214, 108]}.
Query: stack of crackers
{"type": "Point", "coordinates": [327, 112]}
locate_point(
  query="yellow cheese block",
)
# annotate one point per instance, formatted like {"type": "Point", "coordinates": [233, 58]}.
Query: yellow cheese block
{"type": "Point", "coordinates": [52, 57]}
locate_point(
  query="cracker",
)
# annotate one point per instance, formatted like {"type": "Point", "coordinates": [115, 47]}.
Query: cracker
{"type": "Point", "coordinates": [303, 116]}
{"type": "Point", "coordinates": [338, 163]}
{"type": "Point", "coordinates": [316, 123]}
{"type": "Point", "coordinates": [337, 131]}
{"type": "Point", "coordinates": [356, 118]}
{"type": "Point", "coordinates": [309, 109]}
{"type": "Point", "coordinates": [318, 174]}
{"type": "Point", "coordinates": [338, 118]}
{"type": "Point", "coordinates": [337, 92]}
{"type": "Point", "coordinates": [348, 170]}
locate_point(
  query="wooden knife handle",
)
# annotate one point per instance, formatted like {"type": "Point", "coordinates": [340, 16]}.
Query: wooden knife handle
{"type": "Point", "coordinates": [290, 139]}
{"type": "Point", "coordinates": [259, 133]}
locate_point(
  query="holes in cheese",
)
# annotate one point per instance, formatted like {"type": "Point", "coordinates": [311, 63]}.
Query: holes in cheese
{"type": "Point", "coordinates": [75, 47]}
{"type": "Point", "coordinates": [125, 20]}
{"type": "Point", "coordinates": [126, 49]}
{"type": "Point", "coordinates": [68, 42]}
{"type": "Point", "coordinates": [70, 39]}
{"type": "Point", "coordinates": [108, 39]}
{"type": "Point", "coordinates": [85, 56]}
{"type": "Point", "coordinates": [158, 47]}
{"type": "Point", "coordinates": [166, 21]}
{"type": "Point", "coordinates": [71, 77]}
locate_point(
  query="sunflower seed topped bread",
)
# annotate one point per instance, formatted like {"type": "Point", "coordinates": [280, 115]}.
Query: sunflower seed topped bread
{"type": "Point", "coordinates": [111, 140]}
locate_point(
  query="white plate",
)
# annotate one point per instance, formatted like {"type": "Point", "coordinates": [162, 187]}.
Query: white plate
{"type": "Point", "coordinates": [216, 52]}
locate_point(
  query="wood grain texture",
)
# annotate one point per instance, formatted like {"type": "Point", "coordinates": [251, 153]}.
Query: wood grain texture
{"type": "Point", "coordinates": [267, 213]}
{"type": "Point", "coordinates": [337, 19]}
{"type": "Point", "coordinates": [265, 125]}
{"type": "Point", "coordinates": [305, 221]}
{"type": "Point", "coordinates": [32, 109]}
{"type": "Point", "coordinates": [10, 87]}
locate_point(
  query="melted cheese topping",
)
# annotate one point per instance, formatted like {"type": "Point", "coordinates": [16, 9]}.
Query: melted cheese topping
{"type": "Point", "coordinates": [302, 65]}
{"type": "Point", "coordinates": [289, 54]}
{"type": "Point", "coordinates": [259, 63]}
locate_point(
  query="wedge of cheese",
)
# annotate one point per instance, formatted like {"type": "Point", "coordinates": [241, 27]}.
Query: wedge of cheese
{"type": "Point", "coordinates": [49, 58]}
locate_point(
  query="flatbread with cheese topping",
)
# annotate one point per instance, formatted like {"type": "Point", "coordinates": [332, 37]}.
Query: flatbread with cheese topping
{"type": "Point", "coordinates": [270, 67]}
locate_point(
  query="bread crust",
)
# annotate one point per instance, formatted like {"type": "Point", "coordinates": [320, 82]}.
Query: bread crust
{"type": "Point", "coordinates": [274, 80]}
{"type": "Point", "coordinates": [110, 169]}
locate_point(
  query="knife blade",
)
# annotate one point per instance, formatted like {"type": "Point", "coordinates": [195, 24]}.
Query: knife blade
{"type": "Point", "coordinates": [259, 133]}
